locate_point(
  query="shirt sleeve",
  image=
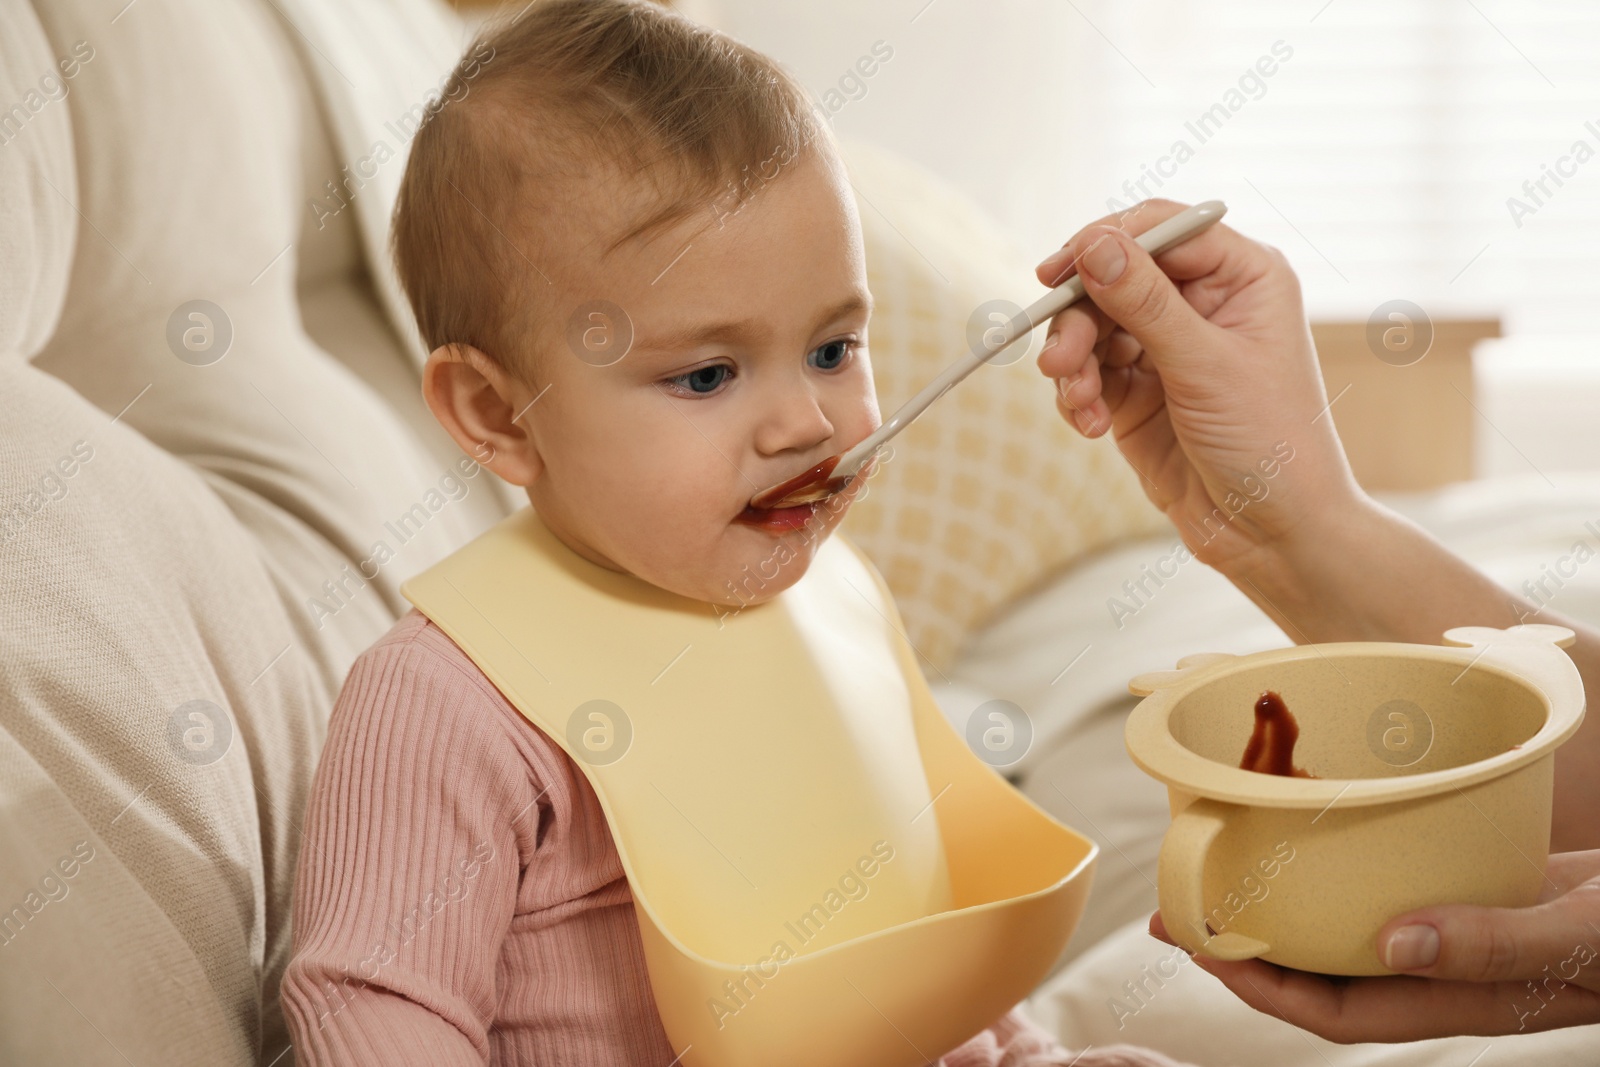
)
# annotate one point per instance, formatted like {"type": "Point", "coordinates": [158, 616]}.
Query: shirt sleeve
{"type": "Point", "coordinates": [421, 817]}
{"type": "Point", "coordinates": [1017, 1041]}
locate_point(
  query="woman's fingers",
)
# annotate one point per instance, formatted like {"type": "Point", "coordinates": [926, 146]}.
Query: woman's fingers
{"type": "Point", "coordinates": [1070, 341]}
{"type": "Point", "coordinates": [1295, 997]}
{"type": "Point", "coordinates": [1071, 338]}
{"type": "Point", "coordinates": [1079, 399]}
{"type": "Point", "coordinates": [1489, 971]}
{"type": "Point", "coordinates": [1568, 870]}
{"type": "Point", "coordinates": [1071, 357]}
{"type": "Point", "coordinates": [1079, 391]}
{"type": "Point", "coordinates": [1061, 264]}
{"type": "Point", "coordinates": [1120, 349]}
{"type": "Point", "coordinates": [1212, 370]}
{"type": "Point", "coordinates": [1224, 260]}
{"type": "Point", "coordinates": [1399, 1008]}
{"type": "Point", "coordinates": [1474, 944]}
{"type": "Point", "coordinates": [1126, 284]}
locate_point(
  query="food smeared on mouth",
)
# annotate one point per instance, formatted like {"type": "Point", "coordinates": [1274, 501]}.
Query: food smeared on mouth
{"type": "Point", "coordinates": [778, 518]}
{"type": "Point", "coordinates": [803, 488]}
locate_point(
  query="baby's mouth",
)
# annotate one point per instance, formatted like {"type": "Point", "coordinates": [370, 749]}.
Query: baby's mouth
{"type": "Point", "coordinates": [801, 494]}
{"type": "Point", "coordinates": [777, 519]}
{"type": "Point", "coordinates": [810, 486]}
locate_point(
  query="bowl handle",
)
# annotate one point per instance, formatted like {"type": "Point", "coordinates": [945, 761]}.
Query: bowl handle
{"type": "Point", "coordinates": [1181, 874]}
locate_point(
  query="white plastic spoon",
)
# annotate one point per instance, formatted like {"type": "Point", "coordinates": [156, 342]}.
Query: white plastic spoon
{"type": "Point", "coordinates": [835, 473]}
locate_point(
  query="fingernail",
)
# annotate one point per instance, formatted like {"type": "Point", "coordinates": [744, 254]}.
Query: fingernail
{"type": "Point", "coordinates": [1104, 260]}
{"type": "Point", "coordinates": [1081, 420]}
{"type": "Point", "coordinates": [1411, 947]}
{"type": "Point", "coordinates": [1049, 341]}
{"type": "Point", "coordinates": [1063, 385]}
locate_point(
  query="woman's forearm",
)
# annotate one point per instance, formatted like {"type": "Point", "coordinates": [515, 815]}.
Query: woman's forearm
{"type": "Point", "coordinates": [1364, 573]}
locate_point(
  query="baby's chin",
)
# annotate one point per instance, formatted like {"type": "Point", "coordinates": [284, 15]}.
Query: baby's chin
{"type": "Point", "coordinates": [734, 579]}
{"type": "Point", "coordinates": [770, 552]}
{"type": "Point", "coordinates": [741, 562]}
{"type": "Point", "coordinates": [750, 563]}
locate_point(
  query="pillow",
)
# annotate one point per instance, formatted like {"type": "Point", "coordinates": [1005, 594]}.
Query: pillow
{"type": "Point", "coordinates": [157, 737]}
{"type": "Point", "coordinates": [990, 492]}
{"type": "Point", "coordinates": [189, 530]}
{"type": "Point", "coordinates": [194, 138]}
{"type": "Point", "coordinates": [37, 223]}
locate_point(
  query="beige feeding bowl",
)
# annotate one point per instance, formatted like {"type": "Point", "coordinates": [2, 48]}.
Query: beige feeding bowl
{"type": "Point", "coordinates": [1434, 764]}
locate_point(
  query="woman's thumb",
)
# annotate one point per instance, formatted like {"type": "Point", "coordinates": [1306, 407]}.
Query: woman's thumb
{"type": "Point", "coordinates": [1475, 944]}
{"type": "Point", "coordinates": [1125, 283]}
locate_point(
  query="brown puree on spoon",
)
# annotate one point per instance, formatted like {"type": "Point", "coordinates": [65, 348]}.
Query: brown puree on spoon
{"type": "Point", "coordinates": [1271, 747]}
{"type": "Point", "coordinates": [818, 483]}
{"type": "Point", "coordinates": [803, 488]}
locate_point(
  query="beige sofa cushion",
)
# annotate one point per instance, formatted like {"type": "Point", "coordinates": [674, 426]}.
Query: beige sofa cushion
{"type": "Point", "coordinates": [37, 223]}
{"type": "Point", "coordinates": [200, 194]}
{"type": "Point", "coordinates": [209, 540]}
{"type": "Point", "coordinates": [131, 591]}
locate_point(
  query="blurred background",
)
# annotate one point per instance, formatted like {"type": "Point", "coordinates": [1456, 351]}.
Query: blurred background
{"type": "Point", "coordinates": [1438, 152]}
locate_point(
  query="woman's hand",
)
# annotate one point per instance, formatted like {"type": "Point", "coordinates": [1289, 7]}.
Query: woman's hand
{"type": "Point", "coordinates": [1210, 386]}
{"type": "Point", "coordinates": [1466, 970]}
{"type": "Point", "coordinates": [1199, 376]}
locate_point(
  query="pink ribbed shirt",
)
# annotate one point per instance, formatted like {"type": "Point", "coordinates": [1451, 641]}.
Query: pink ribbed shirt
{"type": "Point", "coordinates": [459, 899]}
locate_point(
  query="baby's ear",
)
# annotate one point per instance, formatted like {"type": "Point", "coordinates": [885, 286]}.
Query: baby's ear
{"type": "Point", "coordinates": [478, 403]}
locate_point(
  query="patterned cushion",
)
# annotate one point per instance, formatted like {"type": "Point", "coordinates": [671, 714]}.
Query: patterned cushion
{"type": "Point", "coordinates": [990, 491]}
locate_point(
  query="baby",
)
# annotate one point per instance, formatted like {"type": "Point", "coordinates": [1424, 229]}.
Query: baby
{"type": "Point", "coordinates": [633, 249]}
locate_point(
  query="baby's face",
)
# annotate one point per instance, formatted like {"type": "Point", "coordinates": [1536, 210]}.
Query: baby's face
{"type": "Point", "coordinates": [748, 366]}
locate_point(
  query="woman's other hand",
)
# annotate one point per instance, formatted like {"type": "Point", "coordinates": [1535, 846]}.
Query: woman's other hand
{"type": "Point", "coordinates": [1465, 970]}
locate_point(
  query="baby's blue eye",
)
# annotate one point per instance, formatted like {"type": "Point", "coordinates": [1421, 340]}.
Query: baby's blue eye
{"type": "Point", "coordinates": [703, 379]}
{"type": "Point", "coordinates": [832, 354]}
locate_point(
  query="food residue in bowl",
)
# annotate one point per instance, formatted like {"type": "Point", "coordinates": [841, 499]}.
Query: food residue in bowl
{"type": "Point", "coordinates": [1271, 747]}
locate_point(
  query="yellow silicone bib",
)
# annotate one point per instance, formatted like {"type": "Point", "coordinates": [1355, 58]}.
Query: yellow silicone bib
{"type": "Point", "coordinates": [822, 870]}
